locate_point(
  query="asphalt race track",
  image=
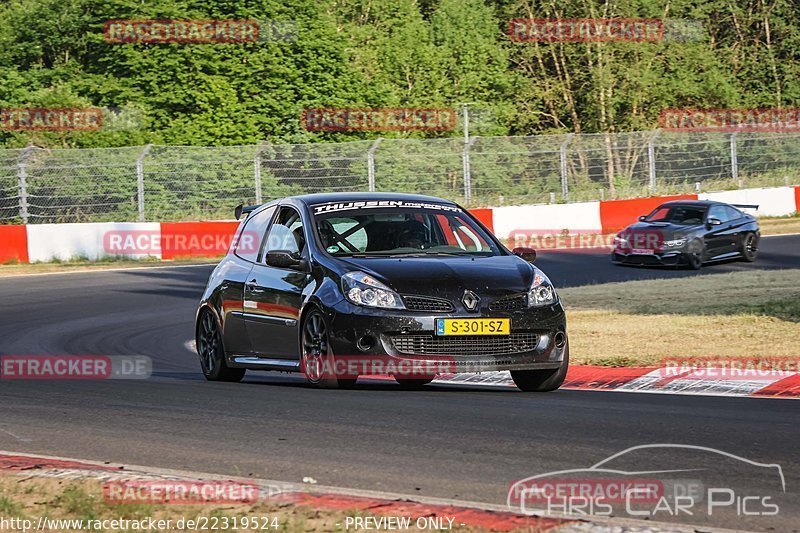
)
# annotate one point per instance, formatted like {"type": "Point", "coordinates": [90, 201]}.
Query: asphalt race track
{"type": "Point", "coordinates": [445, 441]}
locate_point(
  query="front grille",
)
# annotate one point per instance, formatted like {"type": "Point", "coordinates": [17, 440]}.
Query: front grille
{"type": "Point", "coordinates": [510, 303]}
{"type": "Point", "coordinates": [467, 345]}
{"type": "Point", "coordinates": [423, 303]}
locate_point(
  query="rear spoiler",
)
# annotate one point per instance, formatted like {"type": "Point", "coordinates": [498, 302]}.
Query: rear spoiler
{"type": "Point", "coordinates": [745, 206]}
{"type": "Point", "coordinates": [246, 209]}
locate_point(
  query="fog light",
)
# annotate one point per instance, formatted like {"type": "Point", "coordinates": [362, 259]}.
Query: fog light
{"type": "Point", "coordinates": [366, 343]}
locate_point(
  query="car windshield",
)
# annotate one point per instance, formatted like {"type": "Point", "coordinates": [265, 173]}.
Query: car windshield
{"type": "Point", "coordinates": [401, 231]}
{"type": "Point", "coordinates": [684, 215]}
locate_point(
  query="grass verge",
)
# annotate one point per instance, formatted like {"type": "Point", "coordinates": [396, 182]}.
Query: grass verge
{"type": "Point", "coordinates": [754, 315]}
{"type": "Point", "coordinates": [68, 499]}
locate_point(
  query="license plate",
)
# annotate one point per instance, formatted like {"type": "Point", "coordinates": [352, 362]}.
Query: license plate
{"type": "Point", "coordinates": [642, 251]}
{"type": "Point", "coordinates": [473, 326]}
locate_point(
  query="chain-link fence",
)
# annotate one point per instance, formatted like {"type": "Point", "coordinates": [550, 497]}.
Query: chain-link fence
{"type": "Point", "coordinates": [155, 183]}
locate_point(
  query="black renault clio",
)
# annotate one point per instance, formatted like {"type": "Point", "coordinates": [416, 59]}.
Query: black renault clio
{"type": "Point", "coordinates": [341, 285]}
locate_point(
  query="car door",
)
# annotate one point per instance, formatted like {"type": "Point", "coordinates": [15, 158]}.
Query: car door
{"type": "Point", "coordinates": [273, 296]}
{"type": "Point", "coordinates": [737, 222]}
{"type": "Point", "coordinates": [719, 239]}
{"type": "Point", "coordinates": [234, 271]}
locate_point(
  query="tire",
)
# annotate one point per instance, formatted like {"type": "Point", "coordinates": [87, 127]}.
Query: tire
{"type": "Point", "coordinates": [694, 257]}
{"type": "Point", "coordinates": [316, 356]}
{"type": "Point", "coordinates": [749, 249]}
{"type": "Point", "coordinates": [412, 383]}
{"type": "Point", "coordinates": [212, 352]}
{"type": "Point", "coordinates": [542, 380]}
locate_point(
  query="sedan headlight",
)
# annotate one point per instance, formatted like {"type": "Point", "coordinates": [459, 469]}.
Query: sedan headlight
{"type": "Point", "coordinates": [675, 243]}
{"type": "Point", "coordinates": [362, 289]}
{"type": "Point", "coordinates": [542, 291]}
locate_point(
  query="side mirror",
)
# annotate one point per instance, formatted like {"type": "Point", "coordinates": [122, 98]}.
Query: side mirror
{"type": "Point", "coordinates": [286, 259]}
{"type": "Point", "coordinates": [714, 222]}
{"type": "Point", "coordinates": [528, 254]}
{"type": "Point", "coordinates": [642, 218]}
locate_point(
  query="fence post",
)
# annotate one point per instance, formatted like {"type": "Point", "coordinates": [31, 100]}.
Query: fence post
{"type": "Point", "coordinates": [563, 157]}
{"type": "Point", "coordinates": [651, 160]}
{"type": "Point", "coordinates": [22, 183]}
{"type": "Point", "coordinates": [257, 173]}
{"type": "Point", "coordinates": [467, 171]}
{"type": "Point", "coordinates": [140, 180]}
{"type": "Point", "coordinates": [734, 157]}
{"type": "Point", "coordinates": [371, 163]}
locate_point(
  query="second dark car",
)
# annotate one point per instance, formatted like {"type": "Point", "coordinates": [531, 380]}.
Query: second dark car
{"type": "Point", "coordinates": [341, 285]}
{"type": "Point", "coordinates": [689, 233]}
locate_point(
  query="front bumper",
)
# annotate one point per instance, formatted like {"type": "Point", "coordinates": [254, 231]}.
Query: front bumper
{"type": "Point", "coordinates": [659, 258]}
{"type": "Point", "coordinates": [537, 340]}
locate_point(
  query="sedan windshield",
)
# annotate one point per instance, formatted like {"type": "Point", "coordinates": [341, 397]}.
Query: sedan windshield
{"type": "Point", "coordinates": [401, 231]}
{"type": "Point", "coordinates": [683, 215]}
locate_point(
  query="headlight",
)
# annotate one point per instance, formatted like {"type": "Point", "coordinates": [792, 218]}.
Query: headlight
{"type": "Point", "coordinates": [620, 241]}
{"type": "Point", "coordinates": [675, 243]}
{"type": "Point", "coordinates": [542, 291]}
{"type": "Point", "coordinates": [362, 289]}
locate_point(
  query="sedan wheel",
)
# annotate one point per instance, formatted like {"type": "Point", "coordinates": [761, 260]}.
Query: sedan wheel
{"type": "Point", "coordinates": [212, 353]}
{"type": "Point", "coordinates": [694, 257]}
{"type": "Point", "coordinates": [317, 361]}
{"type": "Point", "coordinates": [749, 249]}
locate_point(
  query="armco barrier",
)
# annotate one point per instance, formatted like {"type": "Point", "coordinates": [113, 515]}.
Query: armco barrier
{"type": "Point", "coordinates": [13, 244]}
{"type": "Point", "coordinates": [171, 240]}
{"type": "Point", "coordinates": [772, 201]}
{"type": "Point", "coordinates": [485, 215]}
{"type": "Point", "coordinates": [583, 216]}
{"type": "Point", "coordinates": [797, 198]}
{"type": "Point", "coordinates": [47, 242]}
{"type": "Point", "coordinates": [618, 214]}
{"type": "Point", "coordinates": [196, 239]}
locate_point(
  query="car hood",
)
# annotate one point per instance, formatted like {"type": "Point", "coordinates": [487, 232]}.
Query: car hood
{"type": "Point", "coordinates": [449, 276]}
{"type": "Point", "coordinates": [662, 231]}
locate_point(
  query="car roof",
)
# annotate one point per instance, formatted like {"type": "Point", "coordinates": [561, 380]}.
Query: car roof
{"type": "Point", "coordinates": [327, 197]}
{"type": "Point", "coordinates": [694, 203]}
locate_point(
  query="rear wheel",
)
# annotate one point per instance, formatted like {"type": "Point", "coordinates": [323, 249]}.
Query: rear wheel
{"type": "Point", "coordinates": [542, 380]}
{"type": "Point", "coordinates": [212, 353]}
{"type": "Point", "coordinates": [694, 256]}
{"type": "Point", "coordinates": [749, 248]}
{"type": "Point", "coordinates": [316, 358]}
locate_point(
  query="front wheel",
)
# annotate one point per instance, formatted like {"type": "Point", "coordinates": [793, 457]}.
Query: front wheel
{"type": "Point", "coordinates": [542, 380]}
{"type": "Point", "coordinates": [316, 356]}
{"type": "Point", "coordinates": [749, 248]}
{"type": "Point", "coordinates": [212, 353]}
{"type": "Point", "coordinates": [694, 256]}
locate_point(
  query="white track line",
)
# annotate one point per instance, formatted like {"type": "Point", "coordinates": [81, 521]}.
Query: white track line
{"type": "Point", "coordinates": [92, 270]}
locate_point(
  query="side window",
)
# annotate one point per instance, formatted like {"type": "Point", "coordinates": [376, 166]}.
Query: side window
{"type": "Point", "coordinates": [718, 212]}
{"type": "Point", "coordinates": [733, 213]}
{"type": "Point", "coordinates": [286, 233]}
{"type": "Point", "coordinates": [249, 241]}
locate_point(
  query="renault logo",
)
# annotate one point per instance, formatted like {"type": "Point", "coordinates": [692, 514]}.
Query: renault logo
{"type": "Point", "coordinates": [470, 300]}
